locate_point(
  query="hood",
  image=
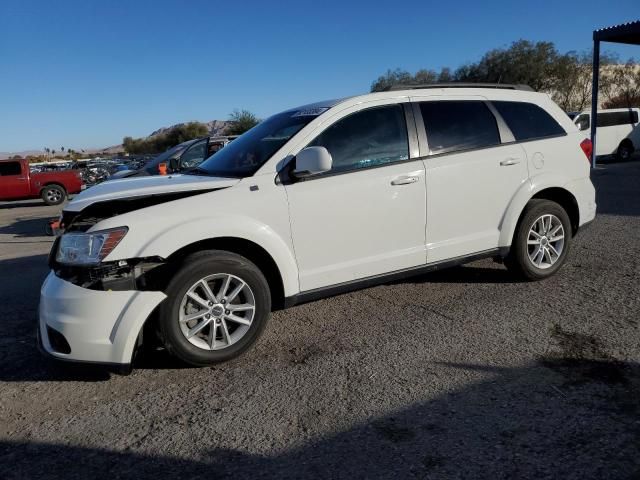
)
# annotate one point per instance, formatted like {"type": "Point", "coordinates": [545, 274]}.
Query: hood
{"type": "Point", "coordinates": [131, 188]}
{"type": "Point", "coordinates": [124, 174]}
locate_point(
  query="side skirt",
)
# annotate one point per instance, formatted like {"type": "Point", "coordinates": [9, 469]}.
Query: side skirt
{"type": "Point", "coordinates": [324, 292]}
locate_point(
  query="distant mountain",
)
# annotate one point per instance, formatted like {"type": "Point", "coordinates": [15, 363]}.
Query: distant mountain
{"type": "Point", "coordinates": [216, 127]}
{"type": "Point", "coordinates": [23, 153]}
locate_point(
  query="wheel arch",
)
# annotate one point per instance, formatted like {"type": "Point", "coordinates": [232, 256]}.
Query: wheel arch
{"type": "Point", "coordinates": [548, 190]}
{"type": "Point", "coordinates": [49, 183]}
{"type": "Point", "coordinates": [566, 200]}
{"type": "Point", "coordinates": [246, 248]}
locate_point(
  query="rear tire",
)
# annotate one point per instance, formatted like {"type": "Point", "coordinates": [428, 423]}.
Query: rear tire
{"type": "Point", "coordinates": [541, 241]}
{"type": "Point", "coordinates": [624, 152]}
{"type": "Point", "coordinates": [225, 322]}
{"type": "Point", "coordinates": [53, 194]}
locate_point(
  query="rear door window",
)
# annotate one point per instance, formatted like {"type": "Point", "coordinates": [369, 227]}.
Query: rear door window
{"type": "Point", "coordinates": [528, 121]}
{"type": "Point", "coordinates": [453, 125]}
{"type": "Point", "coordinates": [8, 169]}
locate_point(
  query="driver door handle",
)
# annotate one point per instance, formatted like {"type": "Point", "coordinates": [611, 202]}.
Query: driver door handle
{"type": "Point", "coordinates": [404, 180]}
{"type": "Point", "coordinates": [509, 161]}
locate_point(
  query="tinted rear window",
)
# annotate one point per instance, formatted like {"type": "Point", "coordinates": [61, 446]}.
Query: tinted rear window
{"type": "Point", "coordinates": [459, 125]}
{"type": "Point", "coordinates": [10, 168]}
{"type": "Point", "coordinates": [528, 121]}
{"type": "Point", "coordinates": [610, 119]}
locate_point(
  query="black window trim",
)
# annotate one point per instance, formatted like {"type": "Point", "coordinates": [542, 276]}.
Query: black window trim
{"type": "Point", "coordinates": [285, 177]}
{"type": "Point", "coordinates": [506, 135]}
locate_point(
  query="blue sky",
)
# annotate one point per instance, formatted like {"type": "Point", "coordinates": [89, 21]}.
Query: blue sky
{"type": "Point", "coordinates": [86, 73]}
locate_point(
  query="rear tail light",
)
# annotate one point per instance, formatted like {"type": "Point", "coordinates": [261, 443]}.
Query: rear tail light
{"type": "Point", "coordinates": [587, 148]}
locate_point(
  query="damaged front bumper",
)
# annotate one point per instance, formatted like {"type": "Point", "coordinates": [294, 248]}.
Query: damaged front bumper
{"type": "Point", "coordinates": [97, 326]}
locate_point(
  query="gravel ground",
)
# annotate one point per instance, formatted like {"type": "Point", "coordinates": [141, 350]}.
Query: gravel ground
{"type": "Point", "coordinates": [464, 373]}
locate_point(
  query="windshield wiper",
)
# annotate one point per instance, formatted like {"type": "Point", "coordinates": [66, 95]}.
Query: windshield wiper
{"type": "Point", "coordinates": [198, 171]}
{"type": "Point", "coordinates": [207, 173]}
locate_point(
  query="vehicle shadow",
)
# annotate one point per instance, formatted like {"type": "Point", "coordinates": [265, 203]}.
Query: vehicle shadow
{"type": "Point", "coordinates": [27, 227]}
{"type": "Point", "coordinates": [22, 204]}
{"type": "Point", "coordinates": [567, 417]}
{"type": "Point", "coordinates": [469, 273]}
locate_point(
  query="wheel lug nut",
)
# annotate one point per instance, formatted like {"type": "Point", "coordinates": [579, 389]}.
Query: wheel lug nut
{"type": "Point", "coordinates": [223, 301]}
{"type": "Point", "coordinates": [211, 304]}
{"type": "Point", "coordinates": [227, 312]}
{"type": "Point", "coordinates": [207, 316]}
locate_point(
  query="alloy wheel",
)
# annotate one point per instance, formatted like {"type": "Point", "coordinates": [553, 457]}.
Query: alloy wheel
{"type": "Point", "coordinates": [545, 241]}
{"type": "Point", "coordinates": [54, 195]}
{"type": "Point", "coordinates": [217, 311]}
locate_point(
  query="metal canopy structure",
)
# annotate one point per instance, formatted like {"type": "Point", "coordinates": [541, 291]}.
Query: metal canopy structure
{"type": "Point", "coordinates": [628, 33]}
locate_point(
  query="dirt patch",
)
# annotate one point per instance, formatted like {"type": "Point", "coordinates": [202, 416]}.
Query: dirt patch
{"type": "Point", "coordinates": [582, 358]}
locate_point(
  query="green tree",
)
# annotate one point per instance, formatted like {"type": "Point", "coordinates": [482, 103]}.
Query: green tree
{"type": "Point", "coordinates": [241, 121]}
{"type": "Point", "coordinates": [523, 62]}
{"type": "Point", "coordinates": [566, 77]}
{"type": "Point", "coordinates": [402, 77]}
{"type": "Point", "coordinates": [163, 141]}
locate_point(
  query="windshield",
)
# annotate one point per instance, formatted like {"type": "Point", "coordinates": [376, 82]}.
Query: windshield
{"type": "Point", "coordinates": [245, 155]}
{"type": "Point", "coordinates": [152, 165]}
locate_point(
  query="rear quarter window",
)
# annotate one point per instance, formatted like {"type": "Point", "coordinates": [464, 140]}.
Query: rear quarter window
{"type": "Point", "coordinates": [612, 119]}
{"type": "Point", "coordinates": [528, 121]}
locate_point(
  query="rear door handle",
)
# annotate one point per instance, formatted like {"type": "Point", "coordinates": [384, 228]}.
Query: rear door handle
{"type": "Point", "coordinates": [509, 161]}
{"type": "Point", "coordinates": [404, 180]}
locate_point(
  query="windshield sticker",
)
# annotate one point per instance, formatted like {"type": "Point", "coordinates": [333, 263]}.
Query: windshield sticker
{"type": "Point", "coordinates": [310, 112]}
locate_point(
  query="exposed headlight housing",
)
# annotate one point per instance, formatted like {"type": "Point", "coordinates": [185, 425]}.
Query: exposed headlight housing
{"type": "Point", "coordinates": [90, 248]}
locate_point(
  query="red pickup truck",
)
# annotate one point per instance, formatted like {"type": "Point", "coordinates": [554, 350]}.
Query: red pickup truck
{"type": "Point", "coordinates": [17, 182]}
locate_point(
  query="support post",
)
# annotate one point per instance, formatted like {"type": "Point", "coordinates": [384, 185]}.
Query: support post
{"type": "Point", "coordinates": [594, 97]}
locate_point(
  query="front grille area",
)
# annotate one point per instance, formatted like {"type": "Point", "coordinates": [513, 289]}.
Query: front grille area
{"type": "Point", "coordinates": [57, 341]}
{"type": "Point", "coordinates": [96, 277]}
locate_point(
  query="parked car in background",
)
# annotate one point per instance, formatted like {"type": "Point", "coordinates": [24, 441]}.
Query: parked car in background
{"type": "Point", "coordinates": [177, 159]}
{"type": "Point", "coordinates": [18, 182]}
{"type": "Point", "coordinates": [617, 133]}
{"type": "Point", "coordinates": [312, 202]}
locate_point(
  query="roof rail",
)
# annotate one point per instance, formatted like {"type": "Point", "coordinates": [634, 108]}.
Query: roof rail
{"type": "Point", "coordinates": [506, 86]}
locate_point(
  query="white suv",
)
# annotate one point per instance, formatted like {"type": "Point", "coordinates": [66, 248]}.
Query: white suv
{"type": "Point", "coordinates": [312, 202]}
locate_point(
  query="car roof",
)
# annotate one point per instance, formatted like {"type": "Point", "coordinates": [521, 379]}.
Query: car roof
{"type": "Point", "coordinates": [492, 91]}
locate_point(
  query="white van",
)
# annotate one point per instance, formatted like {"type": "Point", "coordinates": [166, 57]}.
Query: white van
{"type": "Point", "coordinates": [312, 202]}
{"type": "Point", "coordinates": [618, 132]}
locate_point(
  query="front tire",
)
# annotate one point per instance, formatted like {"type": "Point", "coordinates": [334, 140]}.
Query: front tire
{"type": "Point", "coordinates": [217, 307]}
{"type": "Point", "coordinates": [53, 194]}
{"type": "Point", "coordinates": [541, 241]}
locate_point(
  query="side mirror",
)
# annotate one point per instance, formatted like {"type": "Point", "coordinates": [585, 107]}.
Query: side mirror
{"type": "Point", "coordinates": [583, 123]}
{"type": "Point", "coordinates": [312, 161]}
